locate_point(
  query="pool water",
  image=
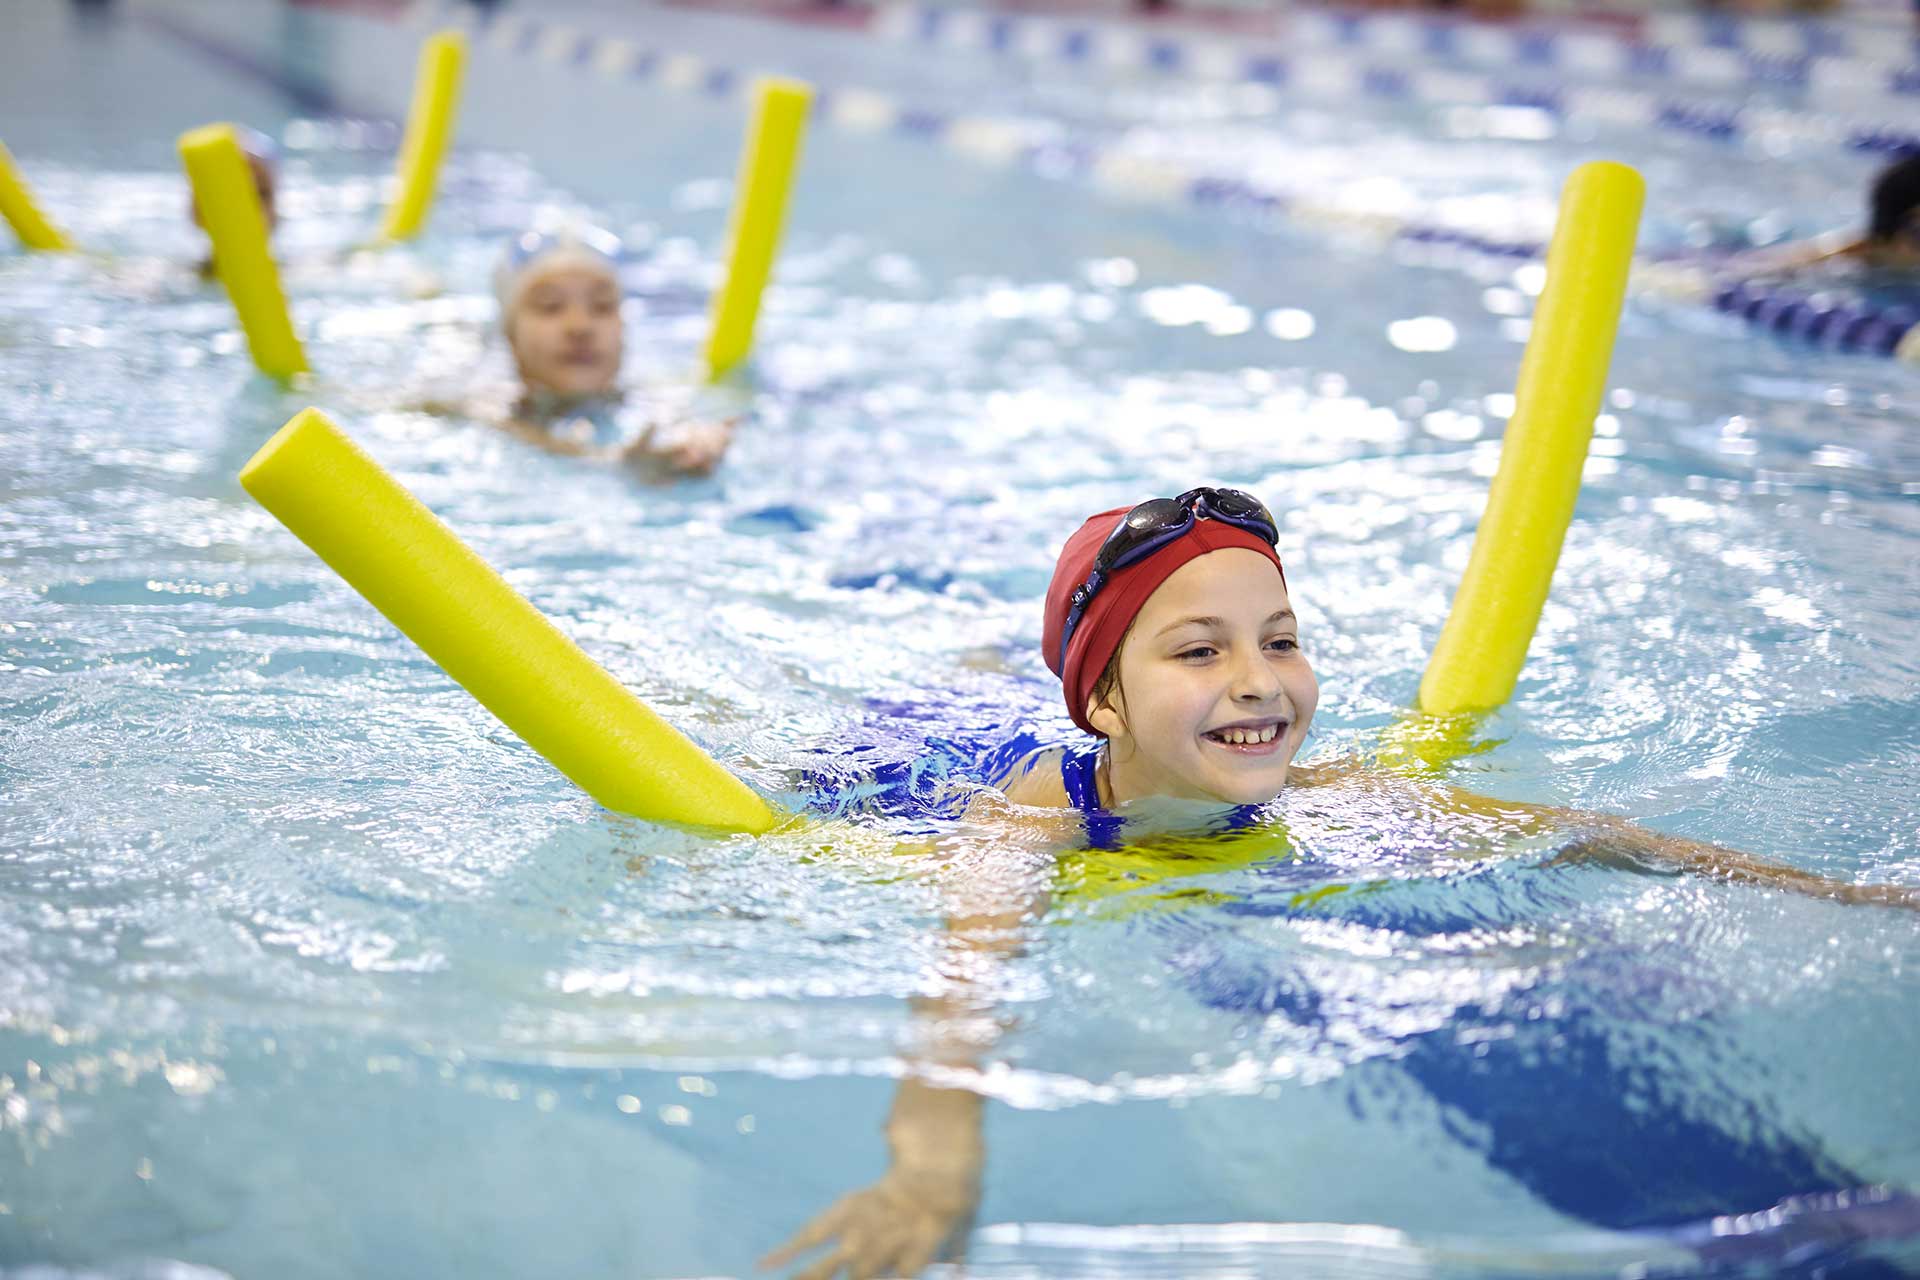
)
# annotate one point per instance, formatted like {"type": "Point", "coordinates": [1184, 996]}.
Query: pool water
{"type": "Point", "coordinates": [308, 967]}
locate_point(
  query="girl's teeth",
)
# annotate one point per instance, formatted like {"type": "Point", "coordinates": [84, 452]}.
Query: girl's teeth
{"type": "Point", "coordinates": [1245, 737]}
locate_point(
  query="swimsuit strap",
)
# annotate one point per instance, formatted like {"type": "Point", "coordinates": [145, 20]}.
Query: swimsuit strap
{"type": "Point", "coordinates": [1079, 772]}
{"type": "Point", "coordinates": [1079, 775]}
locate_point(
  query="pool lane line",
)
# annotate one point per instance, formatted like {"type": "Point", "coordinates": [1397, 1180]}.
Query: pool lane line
{"type": "Point", "coordinates": [1082, 44]}
{"type": "Point", "coordinates": [1674, 1157]}
{"type": "Point", "coordinates": [1044, 148]}
{"type": "Point", "coordinates": [1866, 41]}
{"type": "Point", "coordinates": [1812, 316]}
{"type": "Point", "coordinates": [1827, 66]}
{"type": "Point", "coordinates": [310, 96]}
{"type": "Point", "coordinates": [1037, 146]}
{"type": "Point", "coordinates": [1887, 68]}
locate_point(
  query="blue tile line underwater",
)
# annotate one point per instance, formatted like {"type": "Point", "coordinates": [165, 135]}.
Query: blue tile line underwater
{"type": "Point", "coordinates": [1582, 1122]}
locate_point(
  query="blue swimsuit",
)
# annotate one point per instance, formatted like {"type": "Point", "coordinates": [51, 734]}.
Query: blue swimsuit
{"type": "Point", "coordinates": [1079, 770]}
{"type": "Point", "coordinates": [1079, 774]}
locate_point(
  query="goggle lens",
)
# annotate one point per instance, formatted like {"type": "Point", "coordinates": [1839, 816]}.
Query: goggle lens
{"type": "Point", "coordinates": [1152, 525]}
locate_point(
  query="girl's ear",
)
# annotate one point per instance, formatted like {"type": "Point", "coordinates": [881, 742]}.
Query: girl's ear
{"type": "Point", "coordinates": [1107, 718]}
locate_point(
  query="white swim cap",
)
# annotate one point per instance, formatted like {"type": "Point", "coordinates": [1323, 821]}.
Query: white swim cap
{"type": "Point", "coordinates": [257, 144]}
{"type": "Point", "coordinates": [582, 248]}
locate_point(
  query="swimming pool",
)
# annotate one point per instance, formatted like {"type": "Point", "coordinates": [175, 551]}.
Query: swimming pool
{"type": "Point", "coordinates": [308, 968]}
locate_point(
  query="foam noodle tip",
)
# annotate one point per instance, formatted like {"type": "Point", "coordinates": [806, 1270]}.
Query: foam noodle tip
{"type": "Point", "coordinates": [23, 214]}
{"type": "Point", "coordinates": [415, 570]}
{"type": "Point", "coordinates": [229, 204]}
{"type": "Point", "coordinates": [1477, 661]}
{"type": "Point", "coordinates": [767, 164]}
{"type": "Point", "coordinates": [430, 120]}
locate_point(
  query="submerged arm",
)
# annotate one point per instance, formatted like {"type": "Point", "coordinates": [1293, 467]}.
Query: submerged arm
{"type": "Point", "coordinates": [694, 446]}
{"type": "Point", "coordinates": [535, 434]}
{"type": "Point", "coordinates": [923, 1205]}
{"type": "Point", "coordinates": [1604, 837]}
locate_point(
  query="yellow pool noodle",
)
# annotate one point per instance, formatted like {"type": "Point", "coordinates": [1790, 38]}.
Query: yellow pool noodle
{"type": "Point", "coordinates": [22, 214]}
{"type": "Point", "coordinates": [436, 100]}
{"type": "Point", "coordinates": [229, 202]}
{"type": "Point", "coordinates": [767, 162]}
{"type": "Point", "coordinates": [415, 570]}
{"type": "Point", "coordinates": [1477, 661]}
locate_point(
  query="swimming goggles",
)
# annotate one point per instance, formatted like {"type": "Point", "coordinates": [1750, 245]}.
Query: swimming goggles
{"type": "Point", "coordinates": [1155, 523]}
{"type": "Point", "coordinates": [527, 246]}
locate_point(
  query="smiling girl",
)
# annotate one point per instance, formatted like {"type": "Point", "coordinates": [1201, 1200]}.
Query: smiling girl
{"type": "Point", "coordinates": [1171, 628]}
{"type": "Point", "coordinates": [1177, 647]}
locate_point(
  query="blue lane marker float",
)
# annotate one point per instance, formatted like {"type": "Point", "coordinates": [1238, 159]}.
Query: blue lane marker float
{"type": "Point", "coordinates": [1859, 328]}
{"type": "Point", "coordinates": [1719, 51]}
{"type": "Point", "coordinates": [1080, 43]}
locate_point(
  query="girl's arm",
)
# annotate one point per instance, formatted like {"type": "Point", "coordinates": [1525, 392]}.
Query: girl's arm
{"type": "Point", "coordinates": [691, 447]}
{"type": "Point", "coordinates": [1799, 254]}
{"type": "Point", "coordinates": [922, 1207]}
{"type": "Point", "coordinates": [1607, 837]}
{"type": "Point", "coordinates": [535, 434]}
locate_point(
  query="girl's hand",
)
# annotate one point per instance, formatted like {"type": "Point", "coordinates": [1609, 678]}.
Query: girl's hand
{"type": "Point", "coordinates": [921, 1208]}
{"type": "Point", "coordinates": [896, 1227]}
{"type": "Point", "coordinates": [694, 448]}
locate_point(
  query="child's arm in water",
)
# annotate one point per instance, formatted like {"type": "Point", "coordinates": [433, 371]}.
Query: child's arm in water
{"type": "Point", "coordinates": [922, 1207]}
{"type": "Point", "coordinates": [1605, 837]}
{"type": "Point", "coordinates": [1609, 838]}
{"type": "Point", "coordinates": [687, 447]}
{"type": "Point", "coordinates": [1688, 280]}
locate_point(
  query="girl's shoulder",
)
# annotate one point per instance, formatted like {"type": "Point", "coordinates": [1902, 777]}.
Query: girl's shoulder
{"type": "Point", "coordinates": [1034, 780]}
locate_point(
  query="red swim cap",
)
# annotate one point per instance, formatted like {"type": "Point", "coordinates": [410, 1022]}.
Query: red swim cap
{"type": "Point", "coordinates": [1116, 604]}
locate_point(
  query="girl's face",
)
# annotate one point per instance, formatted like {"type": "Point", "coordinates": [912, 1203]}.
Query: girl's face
{"type": "Point", "coordinates": [1214, 694]}
{"type": "Point", "coordinates": [565, 332]}
{"type": "Point", "coordinates": [1902, 250]}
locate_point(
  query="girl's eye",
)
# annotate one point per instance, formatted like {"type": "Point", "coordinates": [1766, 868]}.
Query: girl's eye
{"type": "Point", "coordinates": [1284, 644]}
{"type": "Point", "coordinates": [1198, 651]}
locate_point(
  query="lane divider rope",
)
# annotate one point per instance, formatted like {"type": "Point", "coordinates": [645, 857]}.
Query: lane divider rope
{"type": "Point", "coordinates": [1083, 44]}
{"type": "Point", "coordinates": [1052, 151]}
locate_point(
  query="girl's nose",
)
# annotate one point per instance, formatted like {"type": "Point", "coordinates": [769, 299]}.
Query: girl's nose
{"type": "Point", "coordinates": [1254, 680]}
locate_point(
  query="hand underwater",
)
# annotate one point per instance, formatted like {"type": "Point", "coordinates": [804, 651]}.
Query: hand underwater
{"type": "Point", "coordinates": [693, 448]}
{"type": "Point", "coordinates": [921, 1209]}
